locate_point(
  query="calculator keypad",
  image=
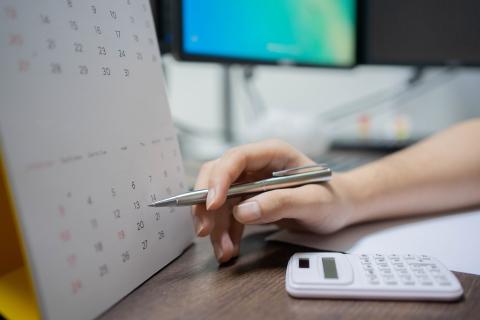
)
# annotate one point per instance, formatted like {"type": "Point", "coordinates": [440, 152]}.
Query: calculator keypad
{"type": "Point", "coordinates": [407, 270]}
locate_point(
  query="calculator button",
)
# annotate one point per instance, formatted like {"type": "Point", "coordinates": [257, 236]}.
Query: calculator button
{"type": "Point", "coordinates": [422, 278]}
{"type": "Point", "coordinates": [372, 277]}
{"type": "Point", "coordinates": [418, 271]}
{"type": "Point", "coordinates": [415, 264]}
{"type": "Point", "coordinates": [442, 280]}
{"type": "Point", "coordinates": [367, 267]}
{"type": "Point", "coordinates": [432, 267]}
{"type": "Point", "coordinates": [409, 257]}
{"type": "Point", "coordinates": [388, 277]}
{"type": "Point", "coordinates": [382, 265]}
{"type": "Point", "coordinates": [394, 258]}
{"type": "Point", "coordinates": [369, 272]}
{"type": "Point", "coordinates": [424, 257]}
{"type": "Point", "coordinates": [427, 283]}
{"type": "Point", "coordinates": [402, 271]}
{"type": "Point", "coordinates": [407, 279]}
{"type": "Point", "coordinates": [392, 282]}
{"type": "Point", "coordinates": [386, 271]}
{"type": "Point", "coordinates": [436, 272]}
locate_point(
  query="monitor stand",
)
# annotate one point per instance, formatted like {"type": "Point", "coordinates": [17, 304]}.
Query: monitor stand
{"type": "Point", "coordinates": [227, 104]}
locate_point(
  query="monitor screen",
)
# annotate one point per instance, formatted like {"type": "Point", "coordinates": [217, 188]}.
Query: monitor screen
{"type": "Point", "coordinates": [427, 32]}
{"type": "Point", "coordinates": [304, 32]}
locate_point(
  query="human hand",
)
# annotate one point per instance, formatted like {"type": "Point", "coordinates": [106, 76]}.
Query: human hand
{"type": "Point", "coordinates": [320, 208]}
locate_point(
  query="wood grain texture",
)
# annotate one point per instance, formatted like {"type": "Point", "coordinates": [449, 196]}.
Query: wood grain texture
{"type": "Point", "coordinates": [252, 287]}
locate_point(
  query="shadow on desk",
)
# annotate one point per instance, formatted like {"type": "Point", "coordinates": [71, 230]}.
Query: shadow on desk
{"type": "Point", "coordinates": [252, 287]}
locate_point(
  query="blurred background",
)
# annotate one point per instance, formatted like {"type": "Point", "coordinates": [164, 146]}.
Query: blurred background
{"type": "Point", "coordinates": [345, 81]}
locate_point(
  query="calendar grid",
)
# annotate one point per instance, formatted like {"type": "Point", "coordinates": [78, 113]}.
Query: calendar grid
{"type": "Point", "coordinates": [89, 143]}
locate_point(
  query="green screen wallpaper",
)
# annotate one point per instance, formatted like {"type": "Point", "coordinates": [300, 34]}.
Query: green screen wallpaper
{"type": "Point", "coordinates": [321, 32]}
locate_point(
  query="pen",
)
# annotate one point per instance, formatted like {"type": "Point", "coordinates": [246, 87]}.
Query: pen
{"type": "Point", "coordinates": [292, 177]}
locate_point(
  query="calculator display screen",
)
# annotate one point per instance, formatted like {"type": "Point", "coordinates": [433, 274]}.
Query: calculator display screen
{"type": "Point", "coordinates": [329, 268]}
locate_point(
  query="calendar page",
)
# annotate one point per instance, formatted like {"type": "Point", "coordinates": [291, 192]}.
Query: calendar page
{"type": "Point", "coordinates": [88, 142]}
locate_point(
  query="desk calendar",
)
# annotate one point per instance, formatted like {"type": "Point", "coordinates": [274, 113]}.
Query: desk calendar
{"type": "Point", "coordinates": [87, 142]}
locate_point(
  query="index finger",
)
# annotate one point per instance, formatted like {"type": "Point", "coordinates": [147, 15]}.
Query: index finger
{"type": "Point", "coordinates": [271, 154]}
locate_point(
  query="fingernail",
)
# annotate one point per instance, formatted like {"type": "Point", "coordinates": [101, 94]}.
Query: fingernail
{"type": "Point", "coordinates": [198, 227]}
{"type": "Point", "coordinates": [236, 250]}
{"type": "Point", "coordinates": [210, 197]}
{"type": "Point", "coordinates": [218, 251]}
{"type": "Point", "coordinates": [247, 211]}
{"type": "Point", "coordinates": [199, 223]}
{"type": "Point", "coordinates": [226, 242]}
{"type": "Point", "coordinates": [226, 248]}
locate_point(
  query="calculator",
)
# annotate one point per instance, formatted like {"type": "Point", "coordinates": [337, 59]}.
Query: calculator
{"type": "Point", "coordinates": [370, 276]}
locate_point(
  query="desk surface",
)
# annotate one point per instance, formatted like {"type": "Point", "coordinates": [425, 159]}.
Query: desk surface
{"type": "Point", "coordinates": [252, 287]}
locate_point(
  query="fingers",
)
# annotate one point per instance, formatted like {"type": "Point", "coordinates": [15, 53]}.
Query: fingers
{"type": "Point", "coordinates": [220, 237]}
{"type": "Point", "coordinates": [204, 221]}
{"type": "Point", "coordinates": [278, 204]}
{"type": "Point", "coordinates": [236, 231]}
{"type": "Point", "coordinates": [272, 154]}
{"type": "Point", "coordinates": [227, 233]}
{"type": "Point", "coordinates": [226, 238]}
{"type": "Point", "coordinates": [252, 161]}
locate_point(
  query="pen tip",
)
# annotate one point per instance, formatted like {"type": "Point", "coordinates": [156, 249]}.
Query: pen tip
{"type": "Point", "coordinates": [164, 203]}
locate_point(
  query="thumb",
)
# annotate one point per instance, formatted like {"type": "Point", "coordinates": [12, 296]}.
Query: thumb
{"type": "Point", "coordinates": [269, 206]}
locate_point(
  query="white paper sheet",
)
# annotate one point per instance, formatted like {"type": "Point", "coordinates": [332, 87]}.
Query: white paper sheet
{"type": "Point", "coordinates": [454, 239]}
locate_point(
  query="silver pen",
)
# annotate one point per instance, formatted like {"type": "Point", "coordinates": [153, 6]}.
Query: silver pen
{"type": "Point", "coordinates": [292, 177]}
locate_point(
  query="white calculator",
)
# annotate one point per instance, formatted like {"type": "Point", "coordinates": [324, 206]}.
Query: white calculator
{"type": "Point", "coordinates": [370, 276]}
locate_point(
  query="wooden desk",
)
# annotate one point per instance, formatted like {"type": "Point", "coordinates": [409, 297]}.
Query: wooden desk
{"type": "Point", "coordinates": [252, 287]}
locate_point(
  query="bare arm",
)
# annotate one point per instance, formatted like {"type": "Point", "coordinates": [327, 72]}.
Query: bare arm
{"type": "Point", "coordinates": [437, 174]}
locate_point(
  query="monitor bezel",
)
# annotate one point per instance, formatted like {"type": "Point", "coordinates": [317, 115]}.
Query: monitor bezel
{"type": "Point", "coordinates": [180, 53]}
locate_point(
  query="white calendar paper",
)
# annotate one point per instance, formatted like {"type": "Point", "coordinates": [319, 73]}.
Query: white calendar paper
{"type": "Point", "coordinates": [88, 142]}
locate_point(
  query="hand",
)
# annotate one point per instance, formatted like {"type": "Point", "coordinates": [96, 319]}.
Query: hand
{"type": "Point", "coordinates": [320, 208]}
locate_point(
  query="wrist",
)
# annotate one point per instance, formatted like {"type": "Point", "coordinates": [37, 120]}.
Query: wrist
{"type": "Point", "coordinates": [345, 209]}
{"type": "Point", "coordinates": [354, 196]}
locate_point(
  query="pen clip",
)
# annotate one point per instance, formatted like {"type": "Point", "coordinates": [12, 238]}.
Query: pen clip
{"type": "Point", "coordinates": [302, 169]}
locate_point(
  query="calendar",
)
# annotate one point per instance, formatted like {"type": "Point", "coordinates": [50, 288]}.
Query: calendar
{"type": "Point", "coordinates": [86, 142]}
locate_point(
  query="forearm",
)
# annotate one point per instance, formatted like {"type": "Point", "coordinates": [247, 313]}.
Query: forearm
{"type": "Point", "coordinates": [440, 173]}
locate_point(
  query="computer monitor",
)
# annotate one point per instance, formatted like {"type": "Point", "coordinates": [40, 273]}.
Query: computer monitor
{"type": "Point", "coordinates": [163, 19]}
{"type": "Point", "coordinates": [420, 32]}
{"type": "Point", "coordinates": [299, 32]}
